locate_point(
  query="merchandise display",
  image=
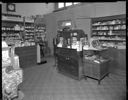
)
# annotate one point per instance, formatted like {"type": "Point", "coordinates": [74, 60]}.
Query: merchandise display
{"type": "Point", "coordinates": [12, 74]}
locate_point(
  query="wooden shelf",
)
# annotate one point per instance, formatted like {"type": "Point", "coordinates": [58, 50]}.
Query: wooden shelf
{"type": "Point", "coordinates": [111, 30]}
{"type": "Point", "coordinates": [109, 25]}
{"type": "Point", "coordinates": [112, 40]}
{"type": "Point", "coordinates": [13, 30]}
{"type": "Point", "coordinates": [110, 35]}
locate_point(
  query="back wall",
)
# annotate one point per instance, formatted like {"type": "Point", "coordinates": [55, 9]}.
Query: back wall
{"type": "Point", "coordinates": [28, 9]}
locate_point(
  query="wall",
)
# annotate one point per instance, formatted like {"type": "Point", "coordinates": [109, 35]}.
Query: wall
{"type": "Point", "coordinates": [100, 9]}
{"type": "Point", "coordinates": [28, 9]}
{"type": "Point", "coordinates": [51, 27]}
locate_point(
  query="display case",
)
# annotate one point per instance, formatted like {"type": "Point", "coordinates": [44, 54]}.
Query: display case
{"type": "Point", "coordinates": [110, 30]}
{"type": "Point", "coordinates": [95, 65]}
{"type": "Point", "coordinates": [69, 52]}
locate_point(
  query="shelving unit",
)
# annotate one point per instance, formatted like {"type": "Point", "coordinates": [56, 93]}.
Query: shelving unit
{"type": "Point", "coordinates": [19, 31]}
{"type": "Point", "coordinates": [12, 29]}
{"type": "Point", "coordinates": [110, 30]}
{"type": "Point", "coordinates": [40, 31]}
{"type": "Point", "coordinates": [40, 35]}
{"type": "Point", "coordinates": [29, 31]}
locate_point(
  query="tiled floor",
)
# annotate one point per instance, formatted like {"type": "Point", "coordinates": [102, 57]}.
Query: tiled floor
{"type": "Point", "coordinates": [43, 82]}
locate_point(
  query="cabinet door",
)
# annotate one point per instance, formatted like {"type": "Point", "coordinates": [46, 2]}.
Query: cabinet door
{"type": "Point", "coordinates": [74, 61]}
{"type": "Point", "coordinates": [62, 66]}
{"type": "Point", "coordinates": [65, 65]}
{"type": "Point", "coordinates": [74, 70]}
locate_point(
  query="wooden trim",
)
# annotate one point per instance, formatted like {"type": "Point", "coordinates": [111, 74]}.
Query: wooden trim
{"type": "Point", "coordinates": [109, 17]}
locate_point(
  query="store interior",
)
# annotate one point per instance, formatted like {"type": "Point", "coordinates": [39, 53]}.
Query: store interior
{"type": "Point", "coordinates": [64, 51]}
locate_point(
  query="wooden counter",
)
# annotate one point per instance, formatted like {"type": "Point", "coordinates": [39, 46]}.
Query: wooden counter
{"type": "Point", "coordinates": [27, 56]}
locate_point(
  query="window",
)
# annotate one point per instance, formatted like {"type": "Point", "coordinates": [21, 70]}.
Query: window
{"type": "Point", "coordinates": [68, 4]}
{"type": "Point", "coordinates": [60, 5]}
{"type": "Point", "coordinates": [64, 23]}
{"type": "Point", "coordinates": [68, 24]}
{"type": "Point", "coordinates": [76, 3]}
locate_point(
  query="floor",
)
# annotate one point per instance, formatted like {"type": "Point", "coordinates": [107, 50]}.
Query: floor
{"type": "Point", "coordinates": [43, 82]}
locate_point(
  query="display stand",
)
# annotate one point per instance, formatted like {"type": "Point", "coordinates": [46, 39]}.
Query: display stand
{"type": "Point", "coordinates": [95, 65]}
{"type": "Point", "coordinates": [93, 69]}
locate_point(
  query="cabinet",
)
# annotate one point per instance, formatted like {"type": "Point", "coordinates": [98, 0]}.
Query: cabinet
{"type": "Point", "coordinates": [110, 30]}
{"type": "Point", "coordinates": [70, 62]}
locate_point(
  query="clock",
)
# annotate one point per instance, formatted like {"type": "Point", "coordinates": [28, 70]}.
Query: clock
{"type": "Point", "coordinates": [11, 7]}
